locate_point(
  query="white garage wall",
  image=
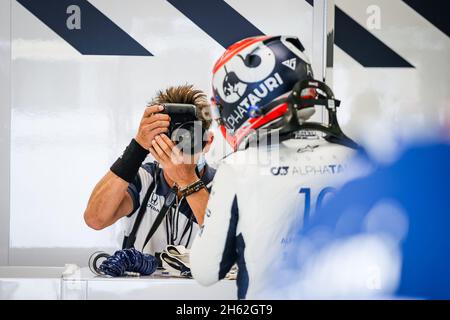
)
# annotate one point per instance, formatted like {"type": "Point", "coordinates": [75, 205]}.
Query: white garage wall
{"type": "Point", "coordinates": [5, 115]}
{"type": "Point", "coordinates": [382, 107]}
{"type": "Point", "coordinates": [72, 115]}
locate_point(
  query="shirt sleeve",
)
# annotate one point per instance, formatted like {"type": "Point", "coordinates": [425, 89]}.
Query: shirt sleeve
{"type": "Point", "coordinates": [213, 252]}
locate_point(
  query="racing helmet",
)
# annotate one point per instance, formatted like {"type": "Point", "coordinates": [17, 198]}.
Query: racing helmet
{"type": "Point", "coordinates": [255, 73]}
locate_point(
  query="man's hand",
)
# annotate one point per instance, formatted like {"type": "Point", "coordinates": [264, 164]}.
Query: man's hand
{"type": "Point", "coordinates": [152, 124]}
{"type": "Point", "coordinates": [178, 167]}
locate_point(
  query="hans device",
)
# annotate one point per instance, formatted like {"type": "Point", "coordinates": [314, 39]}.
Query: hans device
{"type": "Point", "coordinates": [185, 128]}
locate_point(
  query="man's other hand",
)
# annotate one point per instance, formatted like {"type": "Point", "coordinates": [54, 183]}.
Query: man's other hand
{"type": "Point", "coordinates": [179, 168]}
{"type": "Point", "coordinates": [152, 124]}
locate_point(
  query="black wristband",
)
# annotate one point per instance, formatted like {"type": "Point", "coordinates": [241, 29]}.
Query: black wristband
{"type": "Point", "coordinates": [127, 166]}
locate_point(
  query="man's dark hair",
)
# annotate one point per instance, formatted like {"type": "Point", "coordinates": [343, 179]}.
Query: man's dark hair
{"type": "Point", "coordinates": [186, 94]}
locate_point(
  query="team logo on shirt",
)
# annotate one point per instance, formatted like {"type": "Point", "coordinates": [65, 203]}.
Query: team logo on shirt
{"type": "Point", "coordinates": [279, 171]}
{"type": "Point", "coordinates": [154, 202]}
{"type": "Point", "coordinates": [326, 169]}
{"type": "Point", "coordinates": [154, 199]}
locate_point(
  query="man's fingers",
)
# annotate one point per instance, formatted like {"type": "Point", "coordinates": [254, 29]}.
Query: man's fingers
{"type": "Point", "coordinates": [160, 130]}
{"type": "Point", "coordinates": [155, 154]}
{"type": "Point", "coordinates": [174, 149]}
{"type": "Point", "coordinates": [153, 109]}
{"type": "Point", "coordinates": [154, 125]}
{"type": "Point", "coordinates": [155, 117]}
{"type": "Point", "coordinates": [167, 141]}
{"type": "Point", "coordinates": [161, 154]}
{"type": "Point", "coordinates": [164, 145]}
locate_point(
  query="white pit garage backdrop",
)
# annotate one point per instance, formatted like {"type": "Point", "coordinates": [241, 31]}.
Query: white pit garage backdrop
{"type": "Point", "coordinates": [72, 114]}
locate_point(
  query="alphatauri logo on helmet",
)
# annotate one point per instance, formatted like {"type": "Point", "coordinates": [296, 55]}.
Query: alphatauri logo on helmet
{"type": "Point", "coordinates": [245, 80]}
{"type": "Point", "coordinates": [254, 97]}
{"type": "Point", "coordinates": [232, 81]}
{"type": "Point", "coordinates": [232, 86]}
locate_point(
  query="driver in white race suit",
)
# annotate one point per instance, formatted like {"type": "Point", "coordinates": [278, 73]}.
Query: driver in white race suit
{"type": "Point", "coordinates": [283, 167]}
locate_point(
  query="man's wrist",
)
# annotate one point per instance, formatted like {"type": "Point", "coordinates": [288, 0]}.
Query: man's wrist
{"type": "Point", "coordinates": [127, 166]}
{"type": "Point", "coordinates": [192, 188]}
{"type": "Point", "coordinates": [187, 181]}
{"type": "Point", "coordinates": [141, 143]}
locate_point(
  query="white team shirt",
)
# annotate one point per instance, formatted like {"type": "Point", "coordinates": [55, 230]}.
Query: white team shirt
{"type": "Point", "coordinates": [179, 227]}
{"type": "Point", "coordinates": [254, 205]}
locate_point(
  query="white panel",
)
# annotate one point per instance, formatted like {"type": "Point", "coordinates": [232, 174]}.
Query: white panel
{"type": "Point", "coordinates": [83, 284]}
{"type": "Point", "coordinates": [287, 17]}
{"type": "Point", "coordinates": [183, 289]}
{"type": "Point", "coordinates": [34, 283]}
{"type": "Point", "coordinates": [45, 283]}
{"type": "Point", "coordinates": [382, 107]}
{"type": "Point", "coordinates": [5, 117]}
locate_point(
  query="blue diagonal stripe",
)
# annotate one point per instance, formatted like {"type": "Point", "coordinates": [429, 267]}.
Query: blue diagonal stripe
{"type": "Point", "coordinates": [218, 19]}
{"type": "Point", "coordinates": [435, 11]}
{"type": "Point", "coordinates": [98, 34]}
{"type": "Point", "coordinates": [362, 45]}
